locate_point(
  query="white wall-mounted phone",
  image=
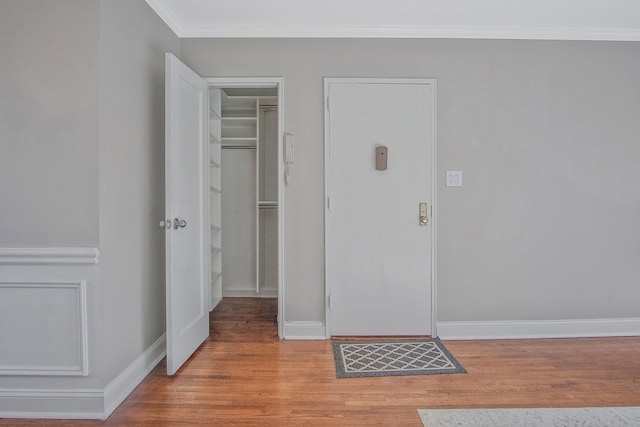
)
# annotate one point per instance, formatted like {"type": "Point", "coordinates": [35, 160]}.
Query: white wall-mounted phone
{"type": "Point", "coordinates": [289, 156]}
{"type": "Point", "coordinates": [288, 148]}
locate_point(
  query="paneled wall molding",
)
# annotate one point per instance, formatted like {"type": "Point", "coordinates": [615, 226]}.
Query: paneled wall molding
{"type": "Point", "coordinates": [24, 306]}
{"type": "Point", "coordinates": [519, 329]}
{"type": "Point", "coordinates": [49, 256]}
{"type": "Point", "coordinates": [82, 403]}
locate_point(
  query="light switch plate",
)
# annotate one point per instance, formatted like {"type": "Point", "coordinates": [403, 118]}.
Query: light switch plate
{"type": "Point", "coordinates": [454, 178]}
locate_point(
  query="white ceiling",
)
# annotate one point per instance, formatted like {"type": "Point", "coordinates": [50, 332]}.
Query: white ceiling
{"type": "Point", "coordinates": [492, 19]}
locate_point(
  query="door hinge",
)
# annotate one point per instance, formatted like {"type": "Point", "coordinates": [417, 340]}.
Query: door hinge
{"type": "Point", "coordinates": [328, 103]}
{"type": "Point", "coordinates": [329, 301]}
{"type": "Point", "coordinates": [329, 203]}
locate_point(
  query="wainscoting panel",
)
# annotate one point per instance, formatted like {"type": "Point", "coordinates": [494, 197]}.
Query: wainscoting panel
{"type": "Point", "coordinates": [43, 328]}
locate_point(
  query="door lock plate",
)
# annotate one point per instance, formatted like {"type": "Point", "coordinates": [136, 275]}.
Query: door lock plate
{"type": "Point", "coordinates": [424, 219]}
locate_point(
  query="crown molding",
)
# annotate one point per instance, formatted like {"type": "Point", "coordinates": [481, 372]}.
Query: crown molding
{"type": "Point", "coordinates": [165, 13]}
{"type": "Point", "coordinates": [279, 27]}
{"type": "Point", "coordinates": [474, 32]}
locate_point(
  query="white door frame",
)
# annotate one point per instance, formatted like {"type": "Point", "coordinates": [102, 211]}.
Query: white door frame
{"type": "Point", "coordinates": [358, 80]}
{"type": "Point", "coordinates": [267, 82]}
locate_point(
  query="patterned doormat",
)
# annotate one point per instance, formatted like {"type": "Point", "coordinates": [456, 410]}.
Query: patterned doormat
{"type": "Point", "coordinates": [392, 358]}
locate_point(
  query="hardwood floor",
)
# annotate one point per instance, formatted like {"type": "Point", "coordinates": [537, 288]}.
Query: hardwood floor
{"type": "Point", "coordinates": [244, 376]}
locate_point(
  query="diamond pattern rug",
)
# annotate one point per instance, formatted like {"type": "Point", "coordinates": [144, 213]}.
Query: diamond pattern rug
{"type": "Point", "coordinates": [391, 358]}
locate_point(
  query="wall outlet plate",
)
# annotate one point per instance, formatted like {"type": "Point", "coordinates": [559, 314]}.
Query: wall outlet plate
{"type": "Point", "coordinates": [454, 178]}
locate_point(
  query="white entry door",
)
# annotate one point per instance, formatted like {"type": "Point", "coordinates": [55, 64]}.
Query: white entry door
{"type": "Point", "coordinates": [378, 248]}
{"type": "Point", "coordinates": [186, 175]}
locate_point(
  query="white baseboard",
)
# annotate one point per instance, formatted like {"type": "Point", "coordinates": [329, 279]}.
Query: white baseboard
{"type": "Point", "coordinates": [79, 403]}
{"type": "Point", "coordinates": [118, 389]}
{"type": "Point", "coordinates": [249, 293]}
{"type": "Point", "coordinates": [518, 329]}
{"type": "Point", "coordinates": [51, 403]}
{"type": "Point", "coordinates": [304, 331]}
{"type": "Point", "coordinates": [53, 415]}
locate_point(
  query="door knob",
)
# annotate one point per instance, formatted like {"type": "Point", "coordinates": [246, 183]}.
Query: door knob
{"type": "Point", "coordinates": [179, 223]}
{"type": "Point", "coordinates": [165, 224]}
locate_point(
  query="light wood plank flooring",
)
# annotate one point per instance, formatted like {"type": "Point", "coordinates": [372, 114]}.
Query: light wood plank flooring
{"type": "Point", "coordinates": [244, 376]}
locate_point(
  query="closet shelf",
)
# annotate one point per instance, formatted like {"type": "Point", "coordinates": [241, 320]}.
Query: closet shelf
{"type": "Point", "coordinates": [268, 203]}
{"type": "Point", "coordinates": [239, 143]}
{"type": "Point", "coordinates": [239, 139]}
{"type": "Point", "coordinates": [238, 120]}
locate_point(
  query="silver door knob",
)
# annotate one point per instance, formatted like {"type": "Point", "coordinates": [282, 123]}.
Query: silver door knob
{"type": "Point", "coordinates": [179, 223]}
{"type": "Point", "coordinates": [165, 224]}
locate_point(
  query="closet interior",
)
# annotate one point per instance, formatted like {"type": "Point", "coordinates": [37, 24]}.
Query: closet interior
{"type": "Point", "coordinates": [244, 192]}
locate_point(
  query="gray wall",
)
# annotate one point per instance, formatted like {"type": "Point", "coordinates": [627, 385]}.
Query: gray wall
{"type": "Point", "coordinates": [82, 162]}
{"type": "Point", "coordinates": [547, 135]}
{"type": "Point", "coordinates": [133, 40]}
{"type": "Point", "coordinates": [48, 123]}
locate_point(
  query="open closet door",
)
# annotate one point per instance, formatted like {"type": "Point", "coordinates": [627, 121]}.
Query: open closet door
{"type": "Point", "coordinates": [186, 174]}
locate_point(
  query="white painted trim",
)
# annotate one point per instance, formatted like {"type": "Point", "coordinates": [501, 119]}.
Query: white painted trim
{"type": "Point", "coordinates": [519, 329]}
{"type": "Point", "coordinates": [54, 415]}
{"type": "Point", "coordinates": [327, 83]}
{"type": "Point", "coordinates": [109, 398]}
{"type": "Point", "coordinates": [434, 216]}
{"type": "Point", "coordinates": [325, 202]}
{"type": "Point", "coordinates": [65, 399]}
{"type": "Point", "coordinates": [250, 293]}
{"type": "Point", "coordinates": [305, 331]}
{"type": "Point", "coordinates": [118, 389]}
{"type": "Point", "coordinates": [49, 256]}
{"type": "Point", "coordinates": [50, 393]}
{"type": "Point", "coordinates": [264, 82]}
{"type": "Point", "coordinates": [166, 14]}
{"type": "Point", "coordinates": [82, 369]}
{"type": "Point", "coordinates": [281, 210]}
{"type": "Point", "coordinates": [420, 32]}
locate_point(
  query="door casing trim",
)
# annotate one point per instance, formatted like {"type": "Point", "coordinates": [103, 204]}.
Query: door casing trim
{"type": "Point", "coordinates": [268, 82]}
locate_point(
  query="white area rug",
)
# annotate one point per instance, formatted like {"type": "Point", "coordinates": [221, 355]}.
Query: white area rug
{"type": "Point", "coordinates": [547, 417]}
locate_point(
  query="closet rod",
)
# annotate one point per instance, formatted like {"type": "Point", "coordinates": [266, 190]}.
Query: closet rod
{"type": "Point", "coordinates": [268, 207]}
{"type": "Point", "coordinates": [238, 147]}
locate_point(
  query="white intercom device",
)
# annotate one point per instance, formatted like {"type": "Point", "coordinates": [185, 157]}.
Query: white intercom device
{"type": "Point", "coordinates": [289, 157]}
{"type": "Point", "coordinates": [288, 148]}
